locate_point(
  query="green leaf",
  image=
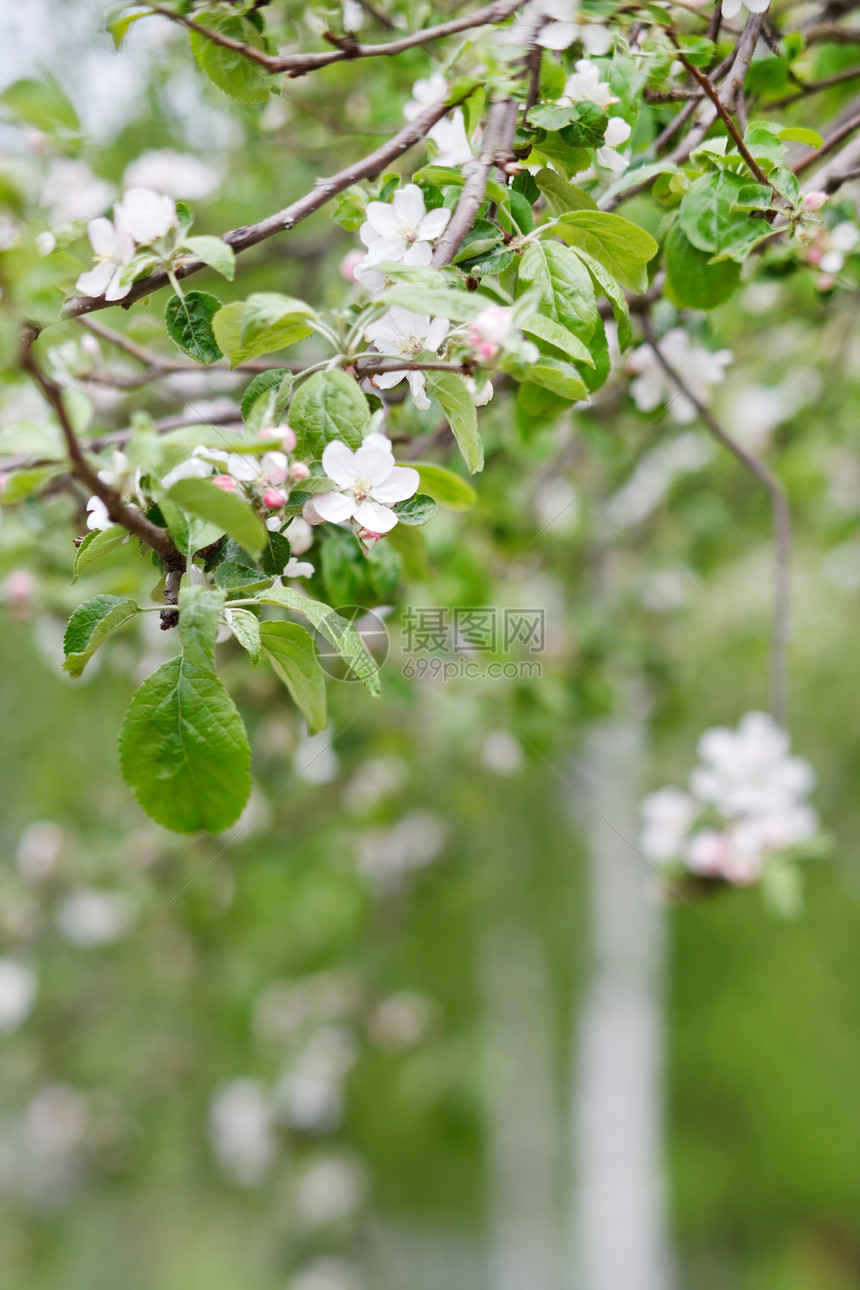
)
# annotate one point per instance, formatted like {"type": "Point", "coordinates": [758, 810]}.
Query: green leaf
{"type": "Point", "coordinates": [26, 482]}
{"type": "Point", "coordinates": [231, 577]}
{"type": "Point", "coordinates": [800, 134]}
{"type": "Point", "coordinates": [96, 544]}
{"type": "Point", "coordinates": [707, 217]}
{"type": "Point", "coordinates": [214, 252]}
{"type": "Point", "coordinates": [338, 632]}
{"type": "Point", "coordinates": [764, 140]}
{"type": "Point", "coordinates": [261, 324]}
{"type": "Point", "coordinates": [563, 285]}
{"type": "Point", "coordinates": [639, 175]}
{"type": "Point", "coordinates": [588, 129]}
{"type": "Point", "coordinates": [35, 438]}
{"type": "Point", "coordinates": [265, 399]}
{"type": "Point", "coordinates": [43, 104]}
{"type": "Point", "coordinates": [328, 406]}
{"type": "Point", "coordinates": [276, 555]}
{"type": "Point", "coordinates": [560, 378]}
{"type": "Point", "coordinates": [225, 510]}
{"type": "Point", "coordinates": [183, 747]}
{"type": "Point", "coordinates": [416, 510]}
{"type": "Point", "coordinates": [188, 532]}
{"type": "Point", "coordinates": [90, 625]}
{"type": "Point", "coordinates": [291, 652]}
{"type": "Point", "coordinates": [551, 116]}
{"type": "Point", "coordinates": [456, 402]}
{"type": "Point", "coordinates": [245, 626]}
{"type": "Point", "coordinates": [553, 333]}
{"type": "Point", "coordinates": [188, 320]}
{"type": "Point", "coordinates": [459, 306]}
{"type": "Point", "coordinates": [444, 486]}
{"type": "Point", "coordinates": [694, 281]}
{"type": "Point", "coordinates": [562, 196]}
{"type": "Point", "coordinates": [616, 298]}
{"type": "Point", "coordinates": [623, 248]}
{"type": "Point", "coordinates": [232, 72]}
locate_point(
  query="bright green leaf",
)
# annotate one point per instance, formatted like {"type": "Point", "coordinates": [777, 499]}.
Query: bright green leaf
{"type": "Point", "coordinates": [456, 402]}
{"type": "Point", "coordinates": [291, 652]}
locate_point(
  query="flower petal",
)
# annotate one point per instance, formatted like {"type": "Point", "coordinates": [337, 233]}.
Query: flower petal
{"type": "Point", "coordinates": [115, 290]}
{"type": "Point", "coordinates": [95, 280]}
{"type": "Point", "coordinates": [419, 393]}
{"type": "Point", "coordinates": [401, 483]}
{"type": "Point", "coordinates": [408, 205]}
{"type": "Point", "coordinates": [381, 218]}
{"type": "Point", "coordinates": [339, 464]}
{"type": "Point", "coordinates": [436, 333]}
{"type": "Point", "coordinates": [374, 460]}
{"type": "Point", "coordinates": [434, 223]}
{"type": "Point", "coordinates": [102, 235]}
{"type": "Point", "coordinates": [334, 507]}
{"type": "Point", "coordinates": [378, 519]}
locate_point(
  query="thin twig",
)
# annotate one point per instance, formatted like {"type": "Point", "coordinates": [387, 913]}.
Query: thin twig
{"type": "Point", "coordinates": [813, 87]}
{"type": "Point", "coordinates": [300, 64]}
{"type": "Point", "coordinates": [832, 141]}
{"type": "Point", "coordinates": [240, 239]}
{"type": "Point", "coordinates": [164, 365]}
{"type": "Point", "coordinates": [782, 531]}
{"type": "Point", "coordinates": [722, 112]}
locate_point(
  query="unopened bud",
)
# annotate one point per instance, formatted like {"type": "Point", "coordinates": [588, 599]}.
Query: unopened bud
{"type": "Point", "coordinates": [273, 499]}
{"type": "Point", "coordinates": [225, 482]}
{"type": "Point", "coordinates": [815, 200]}
{"type": "Point", "coordinates": [299, 472]}
{"type": "Point", "coordinates": [288, 438]}
{"type": "Point", "coordinates": [349, 264]}
{"type": "Point", "coordinates": [368, 537]}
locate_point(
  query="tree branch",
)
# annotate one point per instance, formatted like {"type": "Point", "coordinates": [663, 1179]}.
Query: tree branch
{"type": "Point", "coordinates": [300, 64]}
{"type": "Point", "coordinates": [131, 519]}
{"type": "Point", "coordinates": [158, 365]}
{"type": "Point", "coordinates": [495, 150]}
{"type": "Point", "coordinates": [782, 530]}
{"type": "Point", "coordinates": [240, 239]}
{"type": "Point", "coordinates": [832, 141]}
{"type": "Point", "coordinates": [813, 87]}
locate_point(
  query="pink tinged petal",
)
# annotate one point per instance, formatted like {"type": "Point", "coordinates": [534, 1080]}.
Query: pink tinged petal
{"type": "Point", "coordinates": [374, 460]}
{"type": "Point", "coordinates": [334, 507]}
{"type": "Point", "coordinates": [436, 333]}
{"type": "Point", "coordinates": [379, 519]}
{"type": "Point", "coordinates": [434, 223]}
{"type": "Point", "coordinates": [339, 464]}
{"type": "Point", "coordinates": [401, 483]}
{"type": "Point", "coordinates": [409, 206]}
{"type": "Point", "coordinates": [94, 282]}
{"type": "Point", "coordinates": [381, 217]}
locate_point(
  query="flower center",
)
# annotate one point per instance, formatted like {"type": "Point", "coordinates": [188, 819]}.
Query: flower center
{"type": "Point", "coordinates": [361, 489]}
{"type": "Point", "coordinates": [408, 344]}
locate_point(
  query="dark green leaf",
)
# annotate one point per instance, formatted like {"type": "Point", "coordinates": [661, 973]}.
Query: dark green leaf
{"type": "Point", "coordinates": [328, 406]}
{"type": "Point", "coordinates": [90, 625]}
{"type": "Point", "coordinates": [225, 510]}
{"type": "Point", "coordinates": [188, 320]}
{"type": "Point", "coordinates": [416, 510]}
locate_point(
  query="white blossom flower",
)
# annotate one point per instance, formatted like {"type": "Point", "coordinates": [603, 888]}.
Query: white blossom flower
{"type": "Point", "coordinates": [480, 397]}
{"type": "Point", "coordinates": [701, 370]}
{"type": "Point", "coordinates": [176, 174]}
{"type": "Point", "coordinates": [731, 8]}
{"type": "Point", "coordinates": [749, 771]}
{"type": "Point", "coordinates": [585, 85]}
{"type": "Point", "coordinates": [427, 90]}
{"type": "Point", "coordinates": [45, 243]}
{"type": "Point", "coordinates": [607, 155]}
{"type": "Point", "coordinates": [71, 192]}
{"type": "Point", "coordinates": [563, 29]}
{"type": "Point", "coordinates": [451, 140]}
{"type": "Point", "coordinates": [328, 1273]}
{"type": "Point", "coordinates": [401, 222]}
{"type": "Point", "coordinates": [368, 482]}
{"type": "Point", "coordinates": [667, 816]}
{"type": "Point", "coordinates": [298, 569]}
{"type": "Point", "coordinates": [97, 514]}
{"type": "Point", "coordinates": [488, 331]}
{"type": "Point", "coordinates": [300, 535]}
{"type": "Point", "coordinates": [330, 1188]}
{"type": "Point", "coordinates": [113, 248]}
{"type": "Point", "coordinates": [353, 16]}
{"type": "Point", "coordinates": [18, 985]}
{"type": "Point", "coordinates": [145, 215]}
{"type": "Point", "coordinates": [403, 334]}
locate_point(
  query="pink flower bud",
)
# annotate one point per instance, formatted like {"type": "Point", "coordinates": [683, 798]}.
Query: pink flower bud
{"type": "Point", "coordinates": [270, 432]}
{"type": "Point", "coordinates": [814, 201]}
{"type": "Point", "coordinates": [20, 587]}
{"type": "Point", "coordinates": [4, 480]}
{"type": "Point", "coordinates": [487, 332]}
{"type": "Point", "coordinates": [288, 439]}
{"type": "Point", "coordinates": [368, 537]}
{"type": "Point", "coordinates": [299, 472]}
{"type": "Point", "coordinates": [225, 482]}
{"type": "Point", "coordinates": [814, 256]}
{"type": "Point", "coordinates": [273, 499]}
{"type": "Point", "coordinates": [349, 264]}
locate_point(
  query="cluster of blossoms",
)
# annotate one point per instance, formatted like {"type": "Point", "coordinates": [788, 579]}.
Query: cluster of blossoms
{"type": "Point", "coordinates": [449, 135]}
{"type": "Point", "coordinates": [829, 249]}
{"type": "Point", "coordinates": [143, 218]}
{"type": "Point", "coordinates": [701, 371]}
{"type": "Point", "coordinates": [585, 86]}
{"type": "Point", "coordinates": [746, 803]}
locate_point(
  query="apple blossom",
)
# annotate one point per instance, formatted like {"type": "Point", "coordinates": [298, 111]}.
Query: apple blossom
{"type": "Point", "coordinates": [585, 85]}
{"type": "Point", "coordinates": [400, 230]}
{"type": "Point", "coordinates": [299, 472]}
{"type": "Point", "coordinates": [368, 482]}
{"type": "Point", "coordinates": [273, 499]}
{"type": "Point", "coordinates": [815, 200]}
{"type": "Point", "coordinates": [175, 174]}
{"type": "Point", "coordinates": [451, 140]}
{"type": "Point", "coordinates": [835, 244]}
{"type": "Point", "coordinates": [700, 369]}
{"type": "Point", "coordinates": [113, 248]}
{"type": "Point", "coordinates": [349, 264]}
{"type": "Point", "coordinates": [731, 8]}
{"type": "Point", "coordinates": [97, 514]}
{"type": "Point", "coordinates": [300, 536]}
{"type": "Point", "coordinates": [18, 986]}
{"type": "Point", "coordinates": [617, 131]}
{"type": "Point", "coordinates": [403, 334]}
{"type": "Point", "coordinates": [666, 819]}
{"type": "Point", "coordinates": [225, 482]}
{"type": "Point", "coordinates": [488, 331]}
{"type": "Point", "coordinates": [563, 29]}
{"type": "Point", "coordinates": [144, 215]}
{"type": "Point", "coordinates": [427, 90]}
{"type": "Point", "coordinates": [480, 396]}
{"type": "Point", "coordinates": [298, 569]}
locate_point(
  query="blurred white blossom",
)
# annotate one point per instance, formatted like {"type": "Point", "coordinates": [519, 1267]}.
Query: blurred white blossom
{"type": "Point", "coordinates": [242, 1132]}
{"type": "Point", "coordinates": [18, 986]}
